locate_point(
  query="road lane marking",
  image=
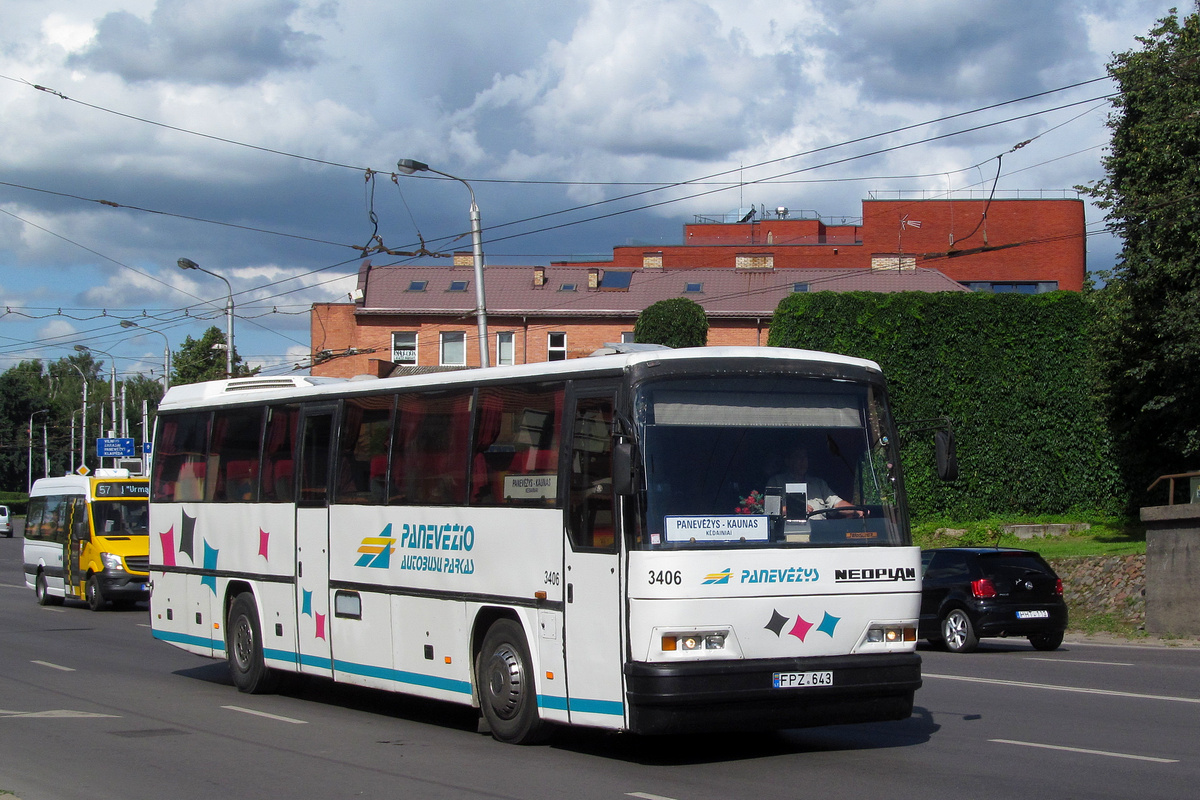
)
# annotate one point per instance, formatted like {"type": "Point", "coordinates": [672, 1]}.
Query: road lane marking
{"type": "Point", "coordinates": [53, 666]}
{"type": "Point", "coordinates": [645, 796]}
{"type": "Point", "coordinates": [1087, 751]}
{"type": "Point", "coordinates": [1081, 661]}
{"type": "Point", "coordinates": [61, 713]}
{"type": "Point", "coordinates": [12, 586]}
{"type": "Point", "coordinates": [265, 714]}
{"type": "Point", "coordinates": [1053, 687]}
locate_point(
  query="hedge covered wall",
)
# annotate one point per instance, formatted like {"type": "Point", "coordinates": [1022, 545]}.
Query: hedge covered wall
{"type": "Point", "coordinates": [1013, 372]}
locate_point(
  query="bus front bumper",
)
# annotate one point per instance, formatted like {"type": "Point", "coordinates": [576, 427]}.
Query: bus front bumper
{"type": "Point", "coordinates": [704, 696]}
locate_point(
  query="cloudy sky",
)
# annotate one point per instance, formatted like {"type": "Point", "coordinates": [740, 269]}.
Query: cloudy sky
{"type": "Point", "coordinates": [259, 137]}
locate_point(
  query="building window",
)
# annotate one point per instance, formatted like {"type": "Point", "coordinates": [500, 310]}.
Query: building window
{"type": "Point", "coordinates": [454, 349]}
{"type": "Point", "coordinates": [556, 347]}
{"type": "Point", "coordinates": [404, 347]}
{"type": "Point", "coordinates": [504, 349]}
{"type": "Point", "coordinates": [459, 286]}
{"type": "Point", "coordinates": [627, 337]}
{"type": "Point", "coordinates": [1012, 288]}
{"type": "Point", "coordinates": [567, 287]}
{"type": "Point", "coordinates": [694, 288]}
{"type": "Point", "coordinates": [417, 286]}
{"type": "Point", "coordinates": [799, 287]}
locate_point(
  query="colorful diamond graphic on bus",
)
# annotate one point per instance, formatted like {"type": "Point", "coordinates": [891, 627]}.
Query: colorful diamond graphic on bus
{"type": "Point", "coordinates": [377, 550]}
{"type": "Point", "coordinates": [801, 627]}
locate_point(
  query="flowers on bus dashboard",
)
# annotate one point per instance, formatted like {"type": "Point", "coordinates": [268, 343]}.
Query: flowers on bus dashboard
{"type": "Point", "coordinates": [751, 503]}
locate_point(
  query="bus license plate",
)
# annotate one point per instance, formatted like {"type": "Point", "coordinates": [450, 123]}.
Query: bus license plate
{"type": "Point", "coordinates": [789, 680]}
{"type": "Point", "coordinates": [1037, 614]}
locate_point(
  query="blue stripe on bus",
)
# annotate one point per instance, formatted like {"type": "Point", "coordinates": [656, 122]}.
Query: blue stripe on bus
{"type": "Point", "coordinates": [399, 676]}
{"type": "Point", "coordinates": [188, 639]}
{"type": "Point", "coordinates": [582, 706]}
{"type": "Point", "coordinates": [320, 662]}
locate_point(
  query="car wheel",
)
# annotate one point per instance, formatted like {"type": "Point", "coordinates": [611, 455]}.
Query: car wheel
{"type": "Point", "coordinates": [958, 633]}
{"type": "Point", "coordinates": [1046, 641]}
{"type": "Point", "coordinates": [94, 594]}
{"type": "Point", "coordinates": [244, 649]}
{"type": "Point", "coordinates": [504, 676]}
{"type": "Point", "coordinates": [42, 592]}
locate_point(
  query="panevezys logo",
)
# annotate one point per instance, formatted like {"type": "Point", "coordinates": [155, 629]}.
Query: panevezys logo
{"type": "Point", "coordinates": [875, 575]}
{"type": "Point", "coordinates": [377, 550]}
{"type": "Point", "coordinates": [717, 577]}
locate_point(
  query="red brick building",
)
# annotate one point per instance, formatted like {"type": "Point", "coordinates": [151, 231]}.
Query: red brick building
{"type": "Point", "coordinates": [737, 269]}
{"type": "Point", "coordinates": [1018, 245]}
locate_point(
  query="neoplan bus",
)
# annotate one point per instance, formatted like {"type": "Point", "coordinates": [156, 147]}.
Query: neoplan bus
{"type": "Point", "coordinates": [87, 537]}
{"type": "Point", "coordinates": [589, 542]}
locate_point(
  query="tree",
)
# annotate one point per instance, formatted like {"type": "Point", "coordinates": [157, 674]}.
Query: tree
{"type": "Point", "coordinates": [197, 360]}
{"type": "Point", "coordinates": [678, 322]}
{"type": "Point", "coordinates": [1148, 330]}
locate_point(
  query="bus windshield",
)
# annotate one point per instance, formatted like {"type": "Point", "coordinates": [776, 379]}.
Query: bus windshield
{"type": "Point", "coordinates": [121, 517]}
{"type": "Point", "coordinates": [768, 461]}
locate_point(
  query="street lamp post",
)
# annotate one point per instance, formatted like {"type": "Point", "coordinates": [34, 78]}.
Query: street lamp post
{"type": "Point", "coordinates": [82, 420]}
{"type": "Point", "coordinates": [112, 380]}
{"type": "Point", "coordinates": [187, 263]}
{"type": "Point", "coordinates": [29, 460]}
{"type": "Point", "coordinates": [408, 167]}
{"type": "Point", "coordinates": [166, 350]}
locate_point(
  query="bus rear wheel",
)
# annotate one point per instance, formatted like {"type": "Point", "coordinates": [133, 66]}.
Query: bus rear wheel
{"type": "Point", "coordinates": [243, 648]}
{"type": "Point", "coordinates": [504, 676]}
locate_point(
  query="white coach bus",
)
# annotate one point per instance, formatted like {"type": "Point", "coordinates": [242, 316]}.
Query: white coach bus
{"type": "Point", "coordinates": [613, 541]}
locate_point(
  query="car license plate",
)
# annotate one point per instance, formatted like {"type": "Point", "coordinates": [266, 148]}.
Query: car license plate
{"type": "Point", "coordinates": [789, 680]}
{"type": "Point", "coordinates": [1040, 613]}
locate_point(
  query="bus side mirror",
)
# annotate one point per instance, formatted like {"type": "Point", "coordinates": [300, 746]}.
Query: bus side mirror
{"type": "Point", "coordinates": [947, 460]}
{"type": "Point", "coordinates": [623, 468]}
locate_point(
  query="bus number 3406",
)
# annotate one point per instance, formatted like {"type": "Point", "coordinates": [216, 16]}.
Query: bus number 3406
{"type": "Point", "coordinates": [667, 577]}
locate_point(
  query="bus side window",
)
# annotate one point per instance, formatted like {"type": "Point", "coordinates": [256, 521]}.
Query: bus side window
{"type": "Point", "coordinates": [516, 445]}
{"type": "Point", "coordinates": [35, 518]}
{"type": "Point", "coordinates": [362, 450]}
{"type": "Point", "coordinates": [278, 473]}
{"type": "Point", "coordinates": [590, 516]}
{"type": "Point", "coordinates": [79, 520]}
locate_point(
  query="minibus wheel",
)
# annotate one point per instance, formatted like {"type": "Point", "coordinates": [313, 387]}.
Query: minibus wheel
{"type": "Point", "coordinates": [243, 648]}
{"type": "Point", "coordinates": [94, 594]}
{"type": "Point", "coordinates": [42, 592]}
{"type": "Point", "coordinates": [507, 694]}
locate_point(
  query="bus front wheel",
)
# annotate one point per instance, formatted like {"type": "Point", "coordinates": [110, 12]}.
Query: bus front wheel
{"type": "Point", "coordinates": [505, 679]}
{"type": "Point", "coordinates": [244, 650]}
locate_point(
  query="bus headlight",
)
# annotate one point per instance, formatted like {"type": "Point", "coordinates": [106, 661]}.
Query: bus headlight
{"type": "Point", "coordinates": [112, 561]}
{"type": "Point", "coordinates": [699, 640]}
{"type": "Point", "coordinates": [890, 634]}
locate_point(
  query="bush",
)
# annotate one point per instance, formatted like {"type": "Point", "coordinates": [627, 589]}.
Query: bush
{"type": "Point", "coordinates": [1015, 375]}
{"type": "Point", "coordinates": [678, 322]}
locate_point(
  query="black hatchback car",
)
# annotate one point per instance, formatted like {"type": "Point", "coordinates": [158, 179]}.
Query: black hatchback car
{"type": "Point", "coordinates": [973, 592]}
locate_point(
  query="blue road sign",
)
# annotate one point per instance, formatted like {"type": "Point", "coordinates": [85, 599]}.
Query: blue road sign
{"type": "Point", "coordinates": [114, 448]}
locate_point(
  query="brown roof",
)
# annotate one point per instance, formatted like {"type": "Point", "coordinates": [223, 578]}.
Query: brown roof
{"type": "Point", "coordinates": [722, 291]}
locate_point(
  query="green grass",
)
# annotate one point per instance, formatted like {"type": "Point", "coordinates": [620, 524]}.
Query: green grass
{"type": "Point", "coordinates": [1107, 536]}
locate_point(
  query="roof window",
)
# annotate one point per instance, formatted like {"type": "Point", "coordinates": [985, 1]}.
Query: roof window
{"type": "Point", "coordinates": [458, 286]}
{"type": "Point", "coordinates": [417, 286]}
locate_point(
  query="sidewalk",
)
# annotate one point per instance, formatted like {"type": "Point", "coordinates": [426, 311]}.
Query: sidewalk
{"type": "Point", "coordinates": [1139, 641]}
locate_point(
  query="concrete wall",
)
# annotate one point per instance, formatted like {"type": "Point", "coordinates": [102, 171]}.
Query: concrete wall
{"type": "Point", "coordinates": [1173, 569]}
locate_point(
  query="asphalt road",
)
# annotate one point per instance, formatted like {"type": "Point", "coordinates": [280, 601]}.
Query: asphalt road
{"type": "Point", "coordinates": [92, 707]}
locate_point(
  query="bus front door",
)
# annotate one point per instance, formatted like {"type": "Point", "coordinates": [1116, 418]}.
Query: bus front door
{"type": "Point", "coordinates": [593, 609]}
{"type": "Point", "coordinates": [312, 542]}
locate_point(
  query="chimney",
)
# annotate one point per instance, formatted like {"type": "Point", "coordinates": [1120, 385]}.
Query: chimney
{"type": "Point", "coordinates": [593, 278]}
{"type": "Point", "coordinates": [539, 277]}
{"type": "Point", "coordinates": [464, 259]}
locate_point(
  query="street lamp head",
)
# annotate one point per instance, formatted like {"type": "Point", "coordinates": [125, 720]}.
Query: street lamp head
{"type": "Point", "coordinates": [187, 263]}
{"type": "Point", "coordinates": [83, 348]}
{"type": "Point", "coordinates": [125, 323]}
{"type": "Point", "coordinates": [408, 166]}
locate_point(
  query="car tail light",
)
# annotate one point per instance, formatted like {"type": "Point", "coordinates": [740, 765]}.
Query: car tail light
{"type": "Point", "coordinates": [983, 588]}
{"type": "Point", "coordinates": [1058, 586]}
